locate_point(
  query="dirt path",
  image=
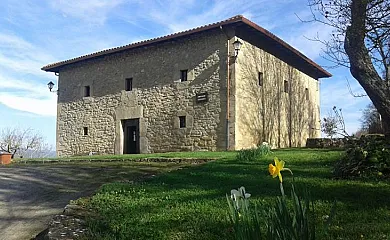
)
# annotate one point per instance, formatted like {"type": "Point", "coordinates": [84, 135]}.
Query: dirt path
{"type": "Point", "coordinates": [31, 194]}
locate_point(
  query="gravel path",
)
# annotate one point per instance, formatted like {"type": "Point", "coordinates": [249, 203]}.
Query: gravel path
{"type": "Point", "coordinates": [31, 194]}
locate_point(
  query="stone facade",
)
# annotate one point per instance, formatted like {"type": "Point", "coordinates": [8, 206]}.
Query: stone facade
{"type": "Point", "coordinates": [96, 106]}
{"type": "Point", "coordinates": [157, 99]}
{"type": "Point", "coordinates": [266, 111]}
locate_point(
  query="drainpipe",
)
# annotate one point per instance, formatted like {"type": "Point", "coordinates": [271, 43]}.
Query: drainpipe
{"type": "Point", "coordinates": [227, 92]}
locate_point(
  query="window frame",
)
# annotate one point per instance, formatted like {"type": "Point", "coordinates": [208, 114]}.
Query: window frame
{"type": "Point", "coordinates": [87, 91]}
{"type": "Point", "coordinates": [286, 86]}
{"type": "Point", "coordinates": [85, 131]}
{"type": "Point", "coordinates": [182, 122]}
{"type": "Point", "coordinates": [260, 78]}
{"type": "Point", "coordinates": [184, 75]}
{"type": "Point", "coordinates": [307, 94]}
{"type": "Point", "coordinates": [129, 84]}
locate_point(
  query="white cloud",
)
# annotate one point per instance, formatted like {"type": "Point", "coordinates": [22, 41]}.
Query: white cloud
{"type": "Point", "coordinates": [27, 96]}
{"type": "Point", "coordinates": [41, 106]}
{"type": "Point", "coordinates": [279, 16]}
{"type": "Point", "coordinates": [25, 65]}
{"type": "Point", "coordinates": [92, 11]}
{"type": "Point", "coordinates": [9, 83]}
{"type": "Point", "coordinates": [179, 15]}
{"type": "Point", "coordinates": [304, 38]}
{"type": "Point", "coordinates": [22, 83]}
{"type": "Point", "coordinates": [23, 13]}
{"type": "Point", "coordinates": [334, 92]}
{"type": "Point", "coordinates": [12, 41]}
{"type": "Point", "coordinates": [20, 56]}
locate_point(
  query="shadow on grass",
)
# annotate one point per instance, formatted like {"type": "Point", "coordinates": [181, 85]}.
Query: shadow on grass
{"type": "Point", "coordinates": [163, 225]}
{"type": "Point", "coordinates": [191, 203]}
{"type": "Point", "coordinates": [304, 149]}
{"type": "Point", "coordinates": [221, 178]}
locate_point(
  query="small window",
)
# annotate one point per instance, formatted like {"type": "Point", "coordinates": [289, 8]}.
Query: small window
{"type": "Point", "coordinates": [286, 86]}
{"type": "Point", "coordinates": [129, 84]}
{"type": "Point", "coordinates": [85, 131]}
{"type": "Point", "coordinates": [307, 93]}
{"type": "Point", "coordinates": [261, 79]}
{"type": "Point", "coordinates": [182, 121]}
{"type": "Point", "coordinates": [87, 91]}
{"type": "Point", "coordinates": [183, 75]}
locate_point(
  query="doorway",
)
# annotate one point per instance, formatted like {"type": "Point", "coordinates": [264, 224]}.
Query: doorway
{"type": "Point", "coordinates": [131, 136]}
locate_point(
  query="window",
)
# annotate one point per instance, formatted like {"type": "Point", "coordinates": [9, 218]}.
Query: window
{"type": "Point", "coordinates": [307, 93]}
{"type": "Point", "coordinates": [87, 91]}
{"type": "Point", "coordinates": [261, 79]}
{"type": "Point", "coordinates": [286, 86]}
{"type": "Point", "coordinates": [182, 121]}
{"type": "Point", "coordinates": [85, 131]}
{"type": "Point", "coordinates": [183, 75]}
{"type": "Point", "coordinates": [129, 84]}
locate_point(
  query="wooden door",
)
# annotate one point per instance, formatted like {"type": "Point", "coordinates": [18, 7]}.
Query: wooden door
{"type": "Point", "coordinates": [131, 136]}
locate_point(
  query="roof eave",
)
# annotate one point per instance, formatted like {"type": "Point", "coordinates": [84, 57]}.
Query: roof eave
{"type": "Point", "coordinates": [55, 66]}
{"type": "Point", "coordinates": [322, 73]}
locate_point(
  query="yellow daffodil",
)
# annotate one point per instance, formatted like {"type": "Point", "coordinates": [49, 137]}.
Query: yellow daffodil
{"type": "Point", "coordinates": [274, 170]}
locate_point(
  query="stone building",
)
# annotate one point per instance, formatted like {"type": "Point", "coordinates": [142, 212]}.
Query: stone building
{"type": "Point", "coordinates": [188, 91]}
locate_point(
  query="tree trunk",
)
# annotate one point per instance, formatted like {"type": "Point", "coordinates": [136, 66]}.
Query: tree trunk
{"type": "Point", "coordinates": [361, 67]}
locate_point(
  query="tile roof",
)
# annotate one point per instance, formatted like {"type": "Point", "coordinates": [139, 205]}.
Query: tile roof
{"type": "Point", "coordinates": [236, 19]}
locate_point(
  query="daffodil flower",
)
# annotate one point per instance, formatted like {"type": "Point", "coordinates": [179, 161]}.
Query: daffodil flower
{"type": "Point", "coordinates": [238, 194]}
{"type": "Point", "coordinates": [243, 193]}
{"type": "Point", "coordinates": [234, 194]}
{"type": "Point", "coordinates": [275, 170]}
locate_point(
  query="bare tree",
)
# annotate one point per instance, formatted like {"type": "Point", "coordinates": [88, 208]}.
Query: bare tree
{"type": "Point", "coordinates": [329, 126]}
{"type": "Point", "coordinates": [359, 133]}
{"type": "Point", "coordinates": [23, 142]}
{"type": "Point", "coordinates": [334, 124]}
{"type": "Point", "coordinates": [371, 120]}
{"type": "Point", "coordinates": [361, 42]}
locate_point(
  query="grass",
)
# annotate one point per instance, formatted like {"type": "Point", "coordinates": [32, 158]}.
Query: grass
{"type": "Point", "coordinates": [189, 155]}
{"type": "Point", "coordinates": [190, 203]}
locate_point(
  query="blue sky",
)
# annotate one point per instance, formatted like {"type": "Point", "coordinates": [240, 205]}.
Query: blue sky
{"type": "Point", "coordinates": [34, 33]}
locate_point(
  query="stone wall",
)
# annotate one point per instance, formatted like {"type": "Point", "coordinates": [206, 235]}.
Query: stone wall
{"type": "Point", "coordinates": [158, 98]}
{"type": "Point", "coordinates": [267, 113]}
{"type": "Point", "coordinates": [341, 143]}
{"type": "Point", "coordinates": [327, 142]}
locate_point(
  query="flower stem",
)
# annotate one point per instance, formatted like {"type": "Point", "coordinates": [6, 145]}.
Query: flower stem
{"type": "Point", "coordinates": [281, 189]}
{"type": "Point", "coordinates": [289, 170]}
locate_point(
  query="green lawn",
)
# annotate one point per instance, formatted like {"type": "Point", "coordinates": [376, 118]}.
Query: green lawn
{"type": "Point", "coordinates": [129, 157]}
{"type": "Point", "coordinates": [190, 203]}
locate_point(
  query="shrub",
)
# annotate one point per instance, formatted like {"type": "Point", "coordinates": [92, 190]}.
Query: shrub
{"type": "Point", "coordinates": [253, 154]}
{"type": "Point", "coordinates": [367, 157]}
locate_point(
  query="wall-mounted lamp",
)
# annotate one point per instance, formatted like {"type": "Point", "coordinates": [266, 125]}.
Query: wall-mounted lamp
{"type": "Point", "coordinates": [237, 46]}
{"type": "Point", "coordinates": [50, 85]}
